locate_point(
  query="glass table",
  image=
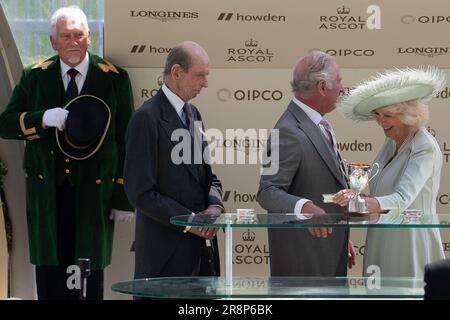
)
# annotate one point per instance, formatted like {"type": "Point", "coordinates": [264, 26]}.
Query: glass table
{"type": "Point", "coordinates": [284, 287]}
{"type": "Point", "coordinates": [270, 287]}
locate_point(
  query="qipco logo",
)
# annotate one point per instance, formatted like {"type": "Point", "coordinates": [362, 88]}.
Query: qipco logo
{"type": "Point", "coordinates": [249, 95]}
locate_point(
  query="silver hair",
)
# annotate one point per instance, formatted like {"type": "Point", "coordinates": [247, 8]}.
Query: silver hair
{"type": "Point", "coordinates": [413, 113]}
{"type": "Point", "coordinates": [320, 68]}
{"type": "Point", "coordinates": [67, 13]}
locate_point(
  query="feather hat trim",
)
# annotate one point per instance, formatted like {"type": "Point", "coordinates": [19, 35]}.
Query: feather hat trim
{"type": "Point", "coordinates": [392, 87]}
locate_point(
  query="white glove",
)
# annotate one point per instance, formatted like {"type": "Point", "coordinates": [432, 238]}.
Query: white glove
{"type": "Point", "coordinates": [55, 117]}
{"type": "Point", "coordinates": [121, 216]}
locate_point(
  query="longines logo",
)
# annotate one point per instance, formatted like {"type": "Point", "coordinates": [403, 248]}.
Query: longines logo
{"type": "Point", "coordinates": [409, 19]}
{"type": "Point", "coordinates": [235, 16]}
{"type": "Point", "coordinates": [445, 147]}
{"type": "Point", "coordinates": [245, 145]}
{"type": "Point", "coordinates": [163, 15]}
{"type": "Point", "coordinates": [250, 52]}
{"type": "Point", "coordinates": [446, 246]}
{"type": "Point", "coordinates": [239, 197]}
{"type": "Point", "coordinates": [446, 152]}
{"type": "Point", "coordinates": [429, 52]}
{"type": "Point", "coordinates": [250, 284]}
{"type": "Point", "coordinates": [142, 48]}
{"type": "Point", "coordinates": [250, 252]}
{"type": "Point", "coordinates": [342, 52]}
{"type": "Point", "coordinates": [225, 94]}
{"type": "Point", "coordinates": [148, 93]}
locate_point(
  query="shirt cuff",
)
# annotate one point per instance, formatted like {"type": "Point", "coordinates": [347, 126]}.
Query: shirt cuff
{"type": "Point", "coordinates": [298, 208]}
{"type": "Point", "coordinates": [218, 206]}
{"type": "Point", "coordinates": [189, 227]}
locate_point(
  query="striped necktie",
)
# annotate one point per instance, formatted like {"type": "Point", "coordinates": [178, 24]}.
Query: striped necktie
{"type": "Point", "coordinates": [329, 134]}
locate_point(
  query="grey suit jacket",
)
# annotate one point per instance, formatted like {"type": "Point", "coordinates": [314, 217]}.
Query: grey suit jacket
{"type": "Point", "coordinates": [307, 169]}
{"type": "Point", "coordinates": [160, 189]}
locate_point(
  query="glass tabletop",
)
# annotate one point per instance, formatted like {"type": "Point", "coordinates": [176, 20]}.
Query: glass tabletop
{"type": "Point", "coordinates": [291, 220]}
{"type": "Point", "coordinates": [272, 287]}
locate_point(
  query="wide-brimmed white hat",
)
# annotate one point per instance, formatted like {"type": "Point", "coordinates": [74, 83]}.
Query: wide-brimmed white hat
{"type": "Point", "coordinates": [392, 87]}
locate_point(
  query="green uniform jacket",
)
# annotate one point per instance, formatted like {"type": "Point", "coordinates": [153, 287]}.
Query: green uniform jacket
{"type": "Point", "coordinates": [98, 179]}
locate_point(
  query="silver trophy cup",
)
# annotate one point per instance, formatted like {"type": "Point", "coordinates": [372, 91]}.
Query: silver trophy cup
{"type": "Point", "coordinates": [359, 175]}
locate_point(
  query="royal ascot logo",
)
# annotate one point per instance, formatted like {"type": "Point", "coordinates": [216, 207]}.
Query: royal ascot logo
{"type": "Point", "coordinates": [164, 16]}
{"type": "Point", "coordinates": [429, 52]}
{"type": "Point", "coordinates": [143, 48]}
{"type": "Point", "coordinates": [246, 95]}
{"type": "Point", "coordinates": [147, 93]}
{"type": "Point", "coordinates": [239, 197]}
{"type": "Point", "coordinates": [248, 236]}
{"type": "Point", "coordinates": [341, 52]}
{"type": "Point", "coordinates": [343, 10]}
{"type": "Point", "coordinates": [343, 20]}
{"type": "Point", "coordinates": [410, 19]}
{"type": "Point", "coordinates": [240, 17]}
{"type": "Point", "coordinates": [250, 251]}
{"type": "Point", "coordinates": [250, 52]}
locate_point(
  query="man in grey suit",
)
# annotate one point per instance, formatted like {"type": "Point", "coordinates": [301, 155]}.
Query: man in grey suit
{"type": "Point", "coordinates": [309, 166]}
{"type": "Point", "coordinates": [159, 186]}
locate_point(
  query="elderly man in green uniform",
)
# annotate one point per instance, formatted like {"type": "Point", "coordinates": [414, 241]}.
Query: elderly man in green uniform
{"type": "Point", "coordinates": [72, 202]}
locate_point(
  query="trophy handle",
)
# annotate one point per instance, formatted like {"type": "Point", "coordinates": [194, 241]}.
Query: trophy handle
{"type": "Point", "coordinates": [376, 172]}
{"type": "Point", "coordinates": [344, 162]}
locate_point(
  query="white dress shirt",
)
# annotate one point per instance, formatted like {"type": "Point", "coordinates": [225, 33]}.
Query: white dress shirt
{"type": "Point", "coordinates": [82, 69]}
{"type": "Point", "coordinates": [174, 100]}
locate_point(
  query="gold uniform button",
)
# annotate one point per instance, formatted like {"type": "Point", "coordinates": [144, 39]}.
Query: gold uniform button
{"type": "Point", "coordinates": [67, 171]}
{"type": "Point", "coordinates": [67, 160]}
{"type": "Point", "coordinates": [41, 177]}
{"type": "Point", "coordinates": [98, 181]}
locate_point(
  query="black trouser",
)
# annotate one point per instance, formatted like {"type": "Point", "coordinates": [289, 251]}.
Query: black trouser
{"type": "Point", "coordinates": [51, 281]}
{"type": "Point", "coordinates": [203, 267]}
